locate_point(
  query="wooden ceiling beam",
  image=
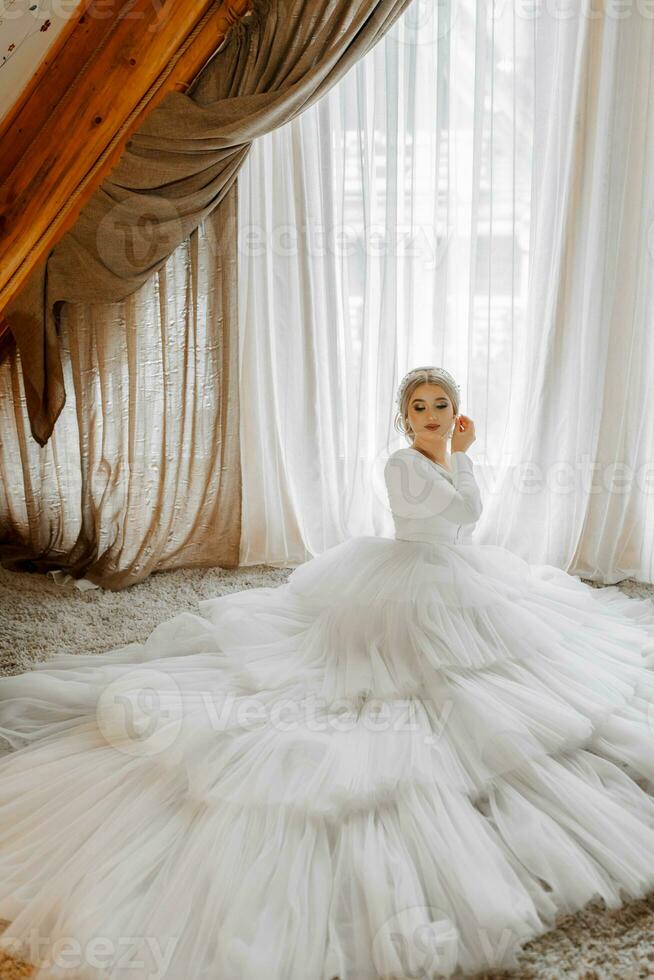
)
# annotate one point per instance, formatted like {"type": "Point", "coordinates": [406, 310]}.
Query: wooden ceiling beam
{"type": "Point", "coordinates": [70, 127]}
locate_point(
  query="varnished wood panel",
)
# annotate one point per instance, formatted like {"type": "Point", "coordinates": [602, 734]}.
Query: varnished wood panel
{"type": "Point", "coordinates": [59, 138]}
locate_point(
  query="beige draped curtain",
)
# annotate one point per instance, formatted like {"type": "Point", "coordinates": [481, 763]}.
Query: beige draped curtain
{"type": "Point", "coordinates": [142, 471]}
{"type": "Point", "coordinates": [181, 163]}
{"type": "Point", "coordinates": [137, 459]}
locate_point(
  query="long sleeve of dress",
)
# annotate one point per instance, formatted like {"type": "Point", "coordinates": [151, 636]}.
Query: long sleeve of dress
{"type": "Point", "coordinates": [418, 490]}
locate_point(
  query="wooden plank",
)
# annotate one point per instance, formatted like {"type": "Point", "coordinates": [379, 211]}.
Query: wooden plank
{"type": "Point", "coordinates": [69, 150]}
{"type": "Point", "coordinates": [62, 64]}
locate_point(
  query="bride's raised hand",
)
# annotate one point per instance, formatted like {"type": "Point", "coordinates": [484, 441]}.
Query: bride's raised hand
{"type": "Point", "coordinates": [463, 435]}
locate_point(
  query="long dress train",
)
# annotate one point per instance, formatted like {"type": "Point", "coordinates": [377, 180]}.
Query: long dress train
{"type": "Point", "coordinates": [406, 761]}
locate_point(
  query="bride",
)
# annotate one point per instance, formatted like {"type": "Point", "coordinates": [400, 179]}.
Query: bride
{"type": "Point", "coordinates": [406, 761]}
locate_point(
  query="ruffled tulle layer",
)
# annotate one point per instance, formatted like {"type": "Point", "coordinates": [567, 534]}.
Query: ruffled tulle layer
{"type": "Point", "coordinates": [407, 758]}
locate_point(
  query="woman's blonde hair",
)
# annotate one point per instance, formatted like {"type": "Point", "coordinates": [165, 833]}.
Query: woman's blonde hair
{"type": "Point", "coordinates": [419, 376]}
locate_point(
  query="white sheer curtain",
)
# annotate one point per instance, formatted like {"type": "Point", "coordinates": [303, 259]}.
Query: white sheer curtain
{"type": "Point", "coordinates": [467, 196]}
{"type": "Point", "coordinates": [574, 484]}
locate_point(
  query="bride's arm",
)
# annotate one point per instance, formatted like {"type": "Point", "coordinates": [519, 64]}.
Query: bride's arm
{"type": "Point", "coordinates": [417, 489]}
{"type": "Point", "coordinates": [467, 488]}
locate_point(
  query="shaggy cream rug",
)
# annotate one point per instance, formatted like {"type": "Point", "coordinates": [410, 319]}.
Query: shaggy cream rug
{"type": "Point", "coordinates": [40, 618]}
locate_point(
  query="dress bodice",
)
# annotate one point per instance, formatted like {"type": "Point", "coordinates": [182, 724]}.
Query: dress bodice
{"type": "Point", "coordinates": [430, 502]}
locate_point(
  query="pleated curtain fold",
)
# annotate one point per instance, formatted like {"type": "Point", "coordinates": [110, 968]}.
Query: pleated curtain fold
{"type": "Point", "coordinates": [129, 364]}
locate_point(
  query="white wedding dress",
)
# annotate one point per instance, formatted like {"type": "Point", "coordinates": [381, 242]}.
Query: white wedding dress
{"type": "Point", "coordinates": [406, 761]}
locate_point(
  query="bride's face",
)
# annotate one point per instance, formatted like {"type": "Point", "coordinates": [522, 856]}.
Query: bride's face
{"type": "Point", "coordinates": [429, 404]}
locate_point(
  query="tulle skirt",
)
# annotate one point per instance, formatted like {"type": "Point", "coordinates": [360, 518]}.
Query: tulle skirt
{"type": "Point", "coordinates": [406, 761]}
